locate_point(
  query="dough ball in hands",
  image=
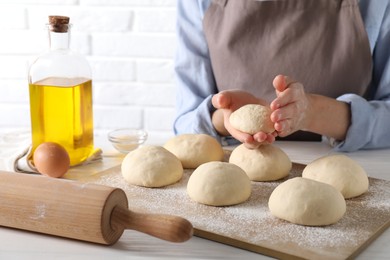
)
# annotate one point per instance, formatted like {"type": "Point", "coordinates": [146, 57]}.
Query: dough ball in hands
{"type": "Point", "coordinates": [266, 163]}
{"type": "Point", "coordinates": [219, 184]}
{"type": "Point", "coordinates": [307, 202]}
{"type": "Point", "coordinates": [341, 172]}
{"type": "Point", "coordinates": [195, 149]}
{"type": "Point", "coordinates": [151, 166]}
{"type": "Point", "coordinates": [252, 118]}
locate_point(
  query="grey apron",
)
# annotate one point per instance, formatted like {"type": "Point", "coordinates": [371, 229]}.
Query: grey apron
{"type": "Point", "coordinates": [320, 43]}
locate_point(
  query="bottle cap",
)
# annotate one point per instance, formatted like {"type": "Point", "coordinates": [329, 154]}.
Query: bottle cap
{"type": "Point", "coordinates": [59, 23]}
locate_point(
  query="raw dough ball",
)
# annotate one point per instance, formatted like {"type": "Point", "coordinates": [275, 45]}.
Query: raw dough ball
{"type": "Point", "coordinates": [195, 149]}
{"type": "Point", "coordinates": [252, 119]}
{"type": "Point", "coordinates": [266, 163]}
{"type": "Point", "coordinates": [219, 184]}
{"type": "Point", "coordinates": [307, 202]}
{"type": "Point", "coordinates": [339, 171]}
{"type": "Point", "coordinates": [151, 166]}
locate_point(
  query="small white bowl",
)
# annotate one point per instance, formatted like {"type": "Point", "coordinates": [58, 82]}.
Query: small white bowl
{"type": "Point", "coordinates": [125, 140]}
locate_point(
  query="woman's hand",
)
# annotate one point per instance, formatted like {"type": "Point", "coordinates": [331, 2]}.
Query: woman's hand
{"type": "Point", "coordinates": [226, 102]}
{"type": "Point", "coordinates": [290, 108]}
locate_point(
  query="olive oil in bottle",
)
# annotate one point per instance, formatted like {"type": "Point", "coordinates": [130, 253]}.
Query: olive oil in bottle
{"type": "Point", "coordinates": [60, 89]}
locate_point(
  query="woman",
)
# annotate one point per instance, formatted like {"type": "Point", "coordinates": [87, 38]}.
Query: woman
{"type": "Point", "coordinates": [322, 66]}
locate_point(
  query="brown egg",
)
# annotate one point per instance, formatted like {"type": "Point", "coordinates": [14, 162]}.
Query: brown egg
{"type": "Point", "coordinates": [51, 159]}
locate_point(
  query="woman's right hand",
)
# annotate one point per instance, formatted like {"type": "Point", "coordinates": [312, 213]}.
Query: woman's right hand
{"type": "Point", "coordinates": [226, 102]}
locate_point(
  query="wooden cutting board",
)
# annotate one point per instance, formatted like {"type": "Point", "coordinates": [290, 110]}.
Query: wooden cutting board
{"type": "Point", "coordinates": [251, 226]}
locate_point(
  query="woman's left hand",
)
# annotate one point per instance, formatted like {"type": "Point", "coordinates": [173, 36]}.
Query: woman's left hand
{"type": "Point", "coordinates": [226, 102]}
{"type": "Point", "coordinates": [291, 106]}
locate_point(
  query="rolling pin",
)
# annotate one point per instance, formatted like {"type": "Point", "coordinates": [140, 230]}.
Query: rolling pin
{"type": "Point", "coordinates": [81, 211]}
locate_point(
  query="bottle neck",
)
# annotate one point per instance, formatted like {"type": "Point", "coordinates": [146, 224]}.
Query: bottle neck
{"type": "Point", "coordinates": [59, 40]}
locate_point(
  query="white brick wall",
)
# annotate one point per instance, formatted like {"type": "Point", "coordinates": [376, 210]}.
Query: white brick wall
{"type": "Point", "coordinates": [129, 44]}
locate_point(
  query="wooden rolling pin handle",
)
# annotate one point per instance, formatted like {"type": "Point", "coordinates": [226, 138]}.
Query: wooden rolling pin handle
{"type": "Point", "coordinates": [166, 227]}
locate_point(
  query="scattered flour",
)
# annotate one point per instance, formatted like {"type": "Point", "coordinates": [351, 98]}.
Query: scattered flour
{"type": "Point", "coordinates": [252, 222]}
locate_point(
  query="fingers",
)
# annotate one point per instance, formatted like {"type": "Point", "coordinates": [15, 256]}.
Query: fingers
{"type": "Point", "coordinates": [221, 100]}
{"type": "Point", "coordinates": [289, 107]}
{"type": "Point", "coordinates": [291, 94]}
{"type": "Point", "coordinates": [252, 145]}
{"type": "Point", "coordinates": [284, 127]}
{"type": "Point", "coordinates": [252, 141]}
{"type": "Point", "coordinates": [288, 119]}
{"type": "Point", "coordinates": [282, 82]}
{"type": "Point", "coordinates": [248, 140]}
{"type": "Point", "coordinates": [262, 137]}
{"type": "Point", "coordinates": [279, 83]}
{"type": "Point", "coordinates": [259, 139]}
{"type": "Point", "coordinates": [234, 99]}
{"type": "Point", "coordinates": [287, 112]}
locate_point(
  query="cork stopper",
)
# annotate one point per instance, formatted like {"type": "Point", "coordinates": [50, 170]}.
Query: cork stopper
{"type": "Point", "coordinates": [58, 23]}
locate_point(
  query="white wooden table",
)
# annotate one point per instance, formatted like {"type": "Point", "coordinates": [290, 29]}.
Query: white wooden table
{"type": "Point", "coordinates": [18, 244]}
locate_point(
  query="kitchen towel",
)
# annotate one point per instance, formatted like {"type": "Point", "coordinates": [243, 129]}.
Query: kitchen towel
{"type": "Point", "coordinates": [15, 148]}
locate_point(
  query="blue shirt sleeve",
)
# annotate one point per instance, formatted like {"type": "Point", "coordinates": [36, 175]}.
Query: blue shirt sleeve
{"type": "Point", "coordinates": [194, 78]}
{"type": "Point", "coordinates": [370, 119]}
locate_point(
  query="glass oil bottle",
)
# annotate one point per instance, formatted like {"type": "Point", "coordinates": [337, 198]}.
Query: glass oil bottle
{"type": "Point", "coordinates": [60, 88]}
